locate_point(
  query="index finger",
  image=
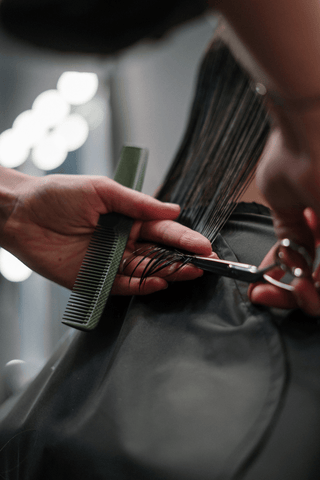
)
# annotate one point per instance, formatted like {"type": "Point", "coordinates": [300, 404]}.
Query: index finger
{"type": "Point", "coordinates": [175, 235]}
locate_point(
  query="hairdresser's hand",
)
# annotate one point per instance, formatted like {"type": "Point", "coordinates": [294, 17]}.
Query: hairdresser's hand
{"type": "Point", "coordinates": [305, 295]}
{"type": "Point", "coordinates": [289, 178]}
{"type": "Point", "coordinates": [49, 222]}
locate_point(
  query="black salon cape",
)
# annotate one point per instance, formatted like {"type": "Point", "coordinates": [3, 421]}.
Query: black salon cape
{"type": "Point", "coordinates": [194, 383]}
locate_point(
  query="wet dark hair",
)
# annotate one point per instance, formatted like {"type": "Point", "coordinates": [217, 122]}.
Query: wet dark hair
{"type": "Point", "coordinates": [227, 130]}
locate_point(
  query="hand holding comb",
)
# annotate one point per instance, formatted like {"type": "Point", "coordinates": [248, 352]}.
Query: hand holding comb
{"type": "Point", "coordinates": [101, 262]}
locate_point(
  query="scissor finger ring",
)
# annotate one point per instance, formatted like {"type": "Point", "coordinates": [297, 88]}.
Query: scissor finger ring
{"type": "Point", "coordinates": [293, 258]}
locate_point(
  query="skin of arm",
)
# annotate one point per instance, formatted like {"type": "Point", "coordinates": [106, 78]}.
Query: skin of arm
{"type": "Point", "coordinates": [47, 222]}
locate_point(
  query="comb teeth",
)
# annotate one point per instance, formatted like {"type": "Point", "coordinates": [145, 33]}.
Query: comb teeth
{"type": "Point", "coordinates": [90, 292]}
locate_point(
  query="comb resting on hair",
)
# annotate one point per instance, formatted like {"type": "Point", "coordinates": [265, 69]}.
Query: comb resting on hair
{"type": "Point", "coordinates": [101, 262]}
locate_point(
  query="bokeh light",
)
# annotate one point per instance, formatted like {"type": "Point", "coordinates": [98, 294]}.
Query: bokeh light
{"type": "Point", "coordinates": [75, 130]}
{"type": "Point", "coordinates": [50, 152]}
{"type": "Point", "coordinates": [78, 87]}
{"type": "Point", "coordinates": [11, 268]}
{"type": "Point", "coordinates": [93, 112]}
{"type": "Point", "coordinates": [13, 150]}
{"type": "Point", "coordinates": [51, 108]}
{"type": "Point", "coordinates": [48, 130]}
{"type": "Point", "coordinates": [29, 127]}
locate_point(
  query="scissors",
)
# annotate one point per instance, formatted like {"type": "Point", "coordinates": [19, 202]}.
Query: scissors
{"type": "Point", "coordinates": [289, 256]}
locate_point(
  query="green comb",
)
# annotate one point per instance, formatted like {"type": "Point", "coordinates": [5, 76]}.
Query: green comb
{"type": "Point", "coordinates": [101, 262]}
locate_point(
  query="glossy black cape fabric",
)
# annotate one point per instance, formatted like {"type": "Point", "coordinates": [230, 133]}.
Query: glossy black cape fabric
{"type": "Point", "coordinates": [191, 383]}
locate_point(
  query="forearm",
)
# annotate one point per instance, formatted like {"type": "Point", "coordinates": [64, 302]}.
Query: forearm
{"type": "Point", "coordinates": [284, 37]}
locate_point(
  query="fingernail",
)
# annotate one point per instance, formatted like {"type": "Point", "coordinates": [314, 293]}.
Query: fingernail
{"type": "Point", "coordinates": [172, 205]}
{"type": "Point", "coordinates": [196, 270]}
{"type": "Point", "coordinates": [201, 272]}
{"type": "Point", "coordinates": [173, 268]}
{"type": "Point", "coordinates": [122, 265]}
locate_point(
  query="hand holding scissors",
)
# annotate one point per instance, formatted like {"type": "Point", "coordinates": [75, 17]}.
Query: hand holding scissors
{"type": "Point", "coordinates": [285, 278]}
{"type": "Point", "coordinates": [289, 257]}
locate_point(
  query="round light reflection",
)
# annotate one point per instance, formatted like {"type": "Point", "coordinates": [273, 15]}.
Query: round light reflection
{"type": "Point", "coordinates": [50, 152]}
{"type": "Point", "coordinates": [51, 108]}
{"type": "Point", "coordinates": [11, 268]}
{"type": "Point", "coordinates": [29, 127]}
{"type": "Point", "coordinates": [13, 150]}
{"type": "Point", "coordinates": [94, 112]}
{"type": "Point", "coordinates": [78, 87]}
{"type": "Point", "coordinates": [74, 129]}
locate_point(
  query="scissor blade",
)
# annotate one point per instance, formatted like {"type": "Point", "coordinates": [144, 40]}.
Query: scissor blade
{"type": "Point", "coordinates": [238, 271]}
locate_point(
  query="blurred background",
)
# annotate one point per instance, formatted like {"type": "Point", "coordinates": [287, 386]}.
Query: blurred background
{"type": "Point", "coordinates": [71, 114]}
